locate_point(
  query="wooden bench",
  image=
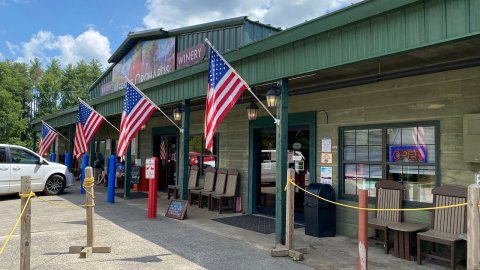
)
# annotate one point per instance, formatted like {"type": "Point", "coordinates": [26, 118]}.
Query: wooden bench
{"type": "Point", "coordinates": [389, 194]}
{"type": "Point", "coordinates": [448, 225]}
{"type": "Point", "coordinates": [230, 192]}
{"type": "Point", "coordinates": [209, 185]}
{"type": "Point", "coordinates": [192, 182]}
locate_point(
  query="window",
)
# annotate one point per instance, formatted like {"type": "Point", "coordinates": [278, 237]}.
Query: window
{"type": "Point", "coordinates": [20, 156]}
{"type": "Point", "coordinates": [3, 155]}
{"type": "Point", "coordinates": [405, 153]}
{"type": "Point", "coordinates": [200, 156]}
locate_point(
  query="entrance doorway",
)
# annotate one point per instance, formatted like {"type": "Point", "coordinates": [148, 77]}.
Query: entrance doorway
{"type": "Point", "coordinates": [165, 149]}
{"type": "Point", "coordinates": [265, 166]}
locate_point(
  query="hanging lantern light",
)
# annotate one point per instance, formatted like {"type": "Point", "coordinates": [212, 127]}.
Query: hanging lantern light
{"type": "Point", "coordinates": [177, 113]}
{"type": "Point", "coordinates": [272, 96]}
{"type": "Point", "coordinates": [252, 111]}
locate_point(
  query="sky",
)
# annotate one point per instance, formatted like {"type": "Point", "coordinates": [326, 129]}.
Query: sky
{"type": "Point", "coordinates": [73, 30]}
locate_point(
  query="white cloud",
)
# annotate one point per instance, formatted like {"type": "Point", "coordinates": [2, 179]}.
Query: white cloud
{"type": "Point", "coordinates": [171, 14]}
{"type": "Point", "coordinates": [12, 48]}
{"type": "Point", "coordinates": [67, 49]}
{"type": "Point", "coordinates": [1, 56]}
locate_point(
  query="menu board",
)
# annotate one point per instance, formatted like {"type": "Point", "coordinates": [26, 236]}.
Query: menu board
{"type": "Point", "coordinates": [177, 209]}
{"type": "Point", "coordinates": [135, 175]}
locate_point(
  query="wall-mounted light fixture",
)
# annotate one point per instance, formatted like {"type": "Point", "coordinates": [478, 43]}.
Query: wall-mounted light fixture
{"type": "Point", "coordinates": [272, 96]}
{"type": "Point", "coordinates": [177, 113]}
{"type": "Point", "coordinates": [252, 111]}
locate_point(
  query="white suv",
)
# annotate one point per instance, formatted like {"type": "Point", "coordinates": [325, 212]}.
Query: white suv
{"type": "Point", "coordinates": [17, 161]}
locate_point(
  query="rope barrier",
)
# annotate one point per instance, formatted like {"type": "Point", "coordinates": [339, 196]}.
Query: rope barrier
{"type": "Point", "coordinates": [375, 209]}
{"type": "Point", "coordinates": [28, 196]}
{"type": "Point", "coordinates": [88, 182]}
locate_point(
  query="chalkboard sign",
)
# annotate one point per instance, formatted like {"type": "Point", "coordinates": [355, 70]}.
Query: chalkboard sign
{"type": "Point", "coordinates": [135, 175]}
{"type": "Point", "coordinates": [177, 209]}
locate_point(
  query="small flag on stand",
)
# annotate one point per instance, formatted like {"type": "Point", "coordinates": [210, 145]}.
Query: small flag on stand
{"type": "Point", "coordinates": [137, 108]}
{"type": "Point", "coordinates": [88, 121]}
{"type": "Point", "coordinates": [223, 89]}
{"type": "Point", "coordinates": [47, 137]}
{"type": "Point", "coordinates": [163, 150]}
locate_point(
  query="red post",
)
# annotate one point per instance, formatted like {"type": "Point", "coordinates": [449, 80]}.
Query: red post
{"type": "Point", "coordinates": [151, 166]}
{"type": "Point", "coordinates": [362, 261]}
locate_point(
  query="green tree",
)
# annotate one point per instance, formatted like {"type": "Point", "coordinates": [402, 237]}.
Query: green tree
{"type": "Point", "coordinates": [49, 89]}
{"type": "Point", "coordinates": [15, 102]}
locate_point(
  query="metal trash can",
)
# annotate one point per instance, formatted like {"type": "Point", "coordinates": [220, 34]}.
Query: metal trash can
{"type": "Point", "coordinates": [320, 216]}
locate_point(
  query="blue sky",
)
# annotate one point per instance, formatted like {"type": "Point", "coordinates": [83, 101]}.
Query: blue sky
{"type": "Point", "coordinates": [70, 30]}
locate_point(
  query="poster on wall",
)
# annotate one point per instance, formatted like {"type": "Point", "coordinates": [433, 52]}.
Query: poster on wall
{"type": "Point", "coordinates": [326, 175]}
{"type": "Point", "coordinates": [146, 60]}
{"type": "Point", "coordinates": [327, 145]}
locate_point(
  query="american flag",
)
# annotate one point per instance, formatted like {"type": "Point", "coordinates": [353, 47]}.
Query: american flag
{"type": "Point", "coordinates": [223, 89]}
{"type": "Point", "coordinates": [47, 137]}
{"type": "Point", "coordinates": [136, 111]}
{"type": "Point", "coordinates": [163, 150]}
{"type": "Point", "coordinates": [88, 121]}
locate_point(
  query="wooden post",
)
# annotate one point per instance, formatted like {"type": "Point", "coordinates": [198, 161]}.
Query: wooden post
{"type": "Point", "coordinates": [25, 231]}
{"type": "Point", "coordinates": [473, 227]}
{"type": "Point", "coordinates": [90, 210]}
{"type": "Point", "coordinates": [290, 210]}
{"type": "Point", "coordinates": [289, 249]}
{"type": "Point", "coordinates": [85, 251]}
{"type": "Point", "coordinates": [362, 262]}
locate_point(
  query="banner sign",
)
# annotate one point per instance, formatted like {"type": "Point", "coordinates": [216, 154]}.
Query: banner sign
{"type": "Point", "coordinates": [191, 56]}
{"type": "Point", "coordinates": [408, 153]}
{"type": "Point", "coordinates": [146, 60]}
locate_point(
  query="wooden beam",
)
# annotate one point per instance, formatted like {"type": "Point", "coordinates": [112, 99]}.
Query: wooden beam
{"type": "Point", "coordinates": [90, 210]}
{"type": "Point", "coordinates": [184, 151]}
{"type": "Point", "coordinates": [282, 163]}
{"type": "Point", "coordinates": [473, 227]}
{"type": "Point", "coordinates": [128, 172]}
{"type": "Point", "coordinates": [290, 210]}
{"type": "Point", "coordinates": [25, 231]}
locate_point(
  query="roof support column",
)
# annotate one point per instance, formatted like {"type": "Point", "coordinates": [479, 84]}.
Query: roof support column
{"type": "Point", "coordinates": [71, 137]}
{"type": "Point", "coordinates": [183, 160]}
{"type": "Point", "coordinates": [282, 163]}
{"type": "Point", "coordinates": [128, 172]}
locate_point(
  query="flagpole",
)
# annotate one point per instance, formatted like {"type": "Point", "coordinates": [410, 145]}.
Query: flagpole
{"type": "Point", "coordinates": [55, 130]}
{"type": "Point", "coordinates": [275, 120]}
{"type": "Point", "coordinates": [158, 108]}
{"type": "Point", "coordinates": [105, 119]}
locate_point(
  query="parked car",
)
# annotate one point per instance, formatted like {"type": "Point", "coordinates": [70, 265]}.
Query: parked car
{"type": "Point", "coordinates": [17, 161]}
{"type": "Point", "coordinates": [208, 161]}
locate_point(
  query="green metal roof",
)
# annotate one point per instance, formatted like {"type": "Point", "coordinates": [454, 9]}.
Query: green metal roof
{"type": "Point", "coordinates": [367, 30]}
{"type": "Point", "coordinates": [134, 37]}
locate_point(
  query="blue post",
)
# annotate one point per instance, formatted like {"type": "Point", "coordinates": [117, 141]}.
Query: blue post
{"type": "Point", "coordinates": [84, 165]}
{"type": "Point", "coordinates": [68, 160]}
{"type": "Point", "coordinates": [53, 157]}
{"type": "Point", "coordinates": [111, 179]}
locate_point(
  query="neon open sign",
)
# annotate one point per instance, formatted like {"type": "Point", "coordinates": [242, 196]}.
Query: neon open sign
{"type": "Point", "coordinates": [410, 153]}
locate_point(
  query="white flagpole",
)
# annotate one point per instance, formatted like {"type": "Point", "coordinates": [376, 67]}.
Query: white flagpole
{"type": "Point", "coordinates": [105, 119]}
{"type": "Point", "coordinates": [275, 120]}
{"type": "Point", "coordinates": [55, 130]}
{"type": "Point", "coordinates": [158, 108]}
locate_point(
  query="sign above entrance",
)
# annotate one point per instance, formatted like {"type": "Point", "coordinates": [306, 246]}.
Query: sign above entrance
{"type": "Point", "coordinates": [150, 168]}
{"type": "Point", "coordinates": [191, 56]}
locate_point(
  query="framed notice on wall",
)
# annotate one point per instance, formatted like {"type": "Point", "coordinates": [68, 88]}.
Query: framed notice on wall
{"type": "Point", "coordinates": [177, 209]}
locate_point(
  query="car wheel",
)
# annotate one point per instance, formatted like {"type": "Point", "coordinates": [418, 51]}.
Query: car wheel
{"type": "Point", "coordinates": [55, 185]}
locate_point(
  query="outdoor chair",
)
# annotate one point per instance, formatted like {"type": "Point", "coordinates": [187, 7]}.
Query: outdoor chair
{"type": "Point", "coordinates": [192, 182]}
{"type": "Point", "coordinates": [210, 174]}
{"type": "Point", "coordinates": [219, 187]}
{"type": "Point", "coordinates": [447, 224]}
{"type": "Point", "coordinates": [230, 191]}
{"type": "Point", "coordinates": [389, 194]}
